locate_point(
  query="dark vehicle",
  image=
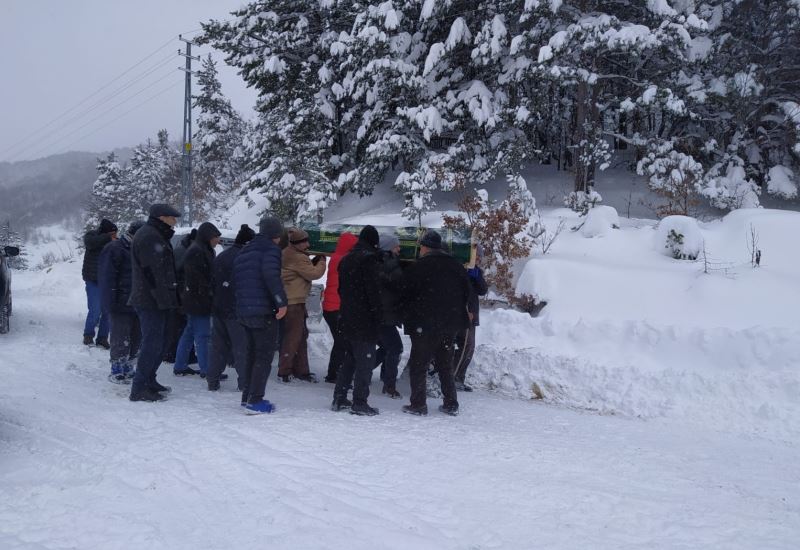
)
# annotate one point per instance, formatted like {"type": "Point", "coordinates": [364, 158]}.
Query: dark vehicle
{"type": "Point", "coordinates": [5, 287]}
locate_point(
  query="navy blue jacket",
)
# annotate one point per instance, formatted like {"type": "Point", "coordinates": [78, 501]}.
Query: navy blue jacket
{"type": "Point", "coordinates": [257, 279]}
{"type": "Point", "coordinates": [224, 287]}
{"type": "Point", "coordinates": [114, 276]}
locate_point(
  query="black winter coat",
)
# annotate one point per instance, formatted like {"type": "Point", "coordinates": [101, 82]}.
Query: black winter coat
{"type": "Point", "coordinates": [154, 283]}
{"type": "Point", "coordinates": [360, 293]}
{"type": "Point", "coordinates": [114, 276]}
{"type": "Point", "coordinates": [479, 288]}
{"type": "Point", "coordinates": [93, 241]}
{"type": "Point", "coordinates": [224, 287]}
{"type": "Point", "coordinates": [257, 279]}
{"type": "Point", "coordinates": [391, 275]}
{"type": "Point", "coordinates": [197, 290]}
{"type": "Point", "coordinates": [436, 292]}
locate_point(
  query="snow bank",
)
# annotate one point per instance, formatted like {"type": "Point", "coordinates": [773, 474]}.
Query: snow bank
{"type": "Point", "coordinates": [679, 237]}
{"type": "Point", "coordinates": [599, 221]}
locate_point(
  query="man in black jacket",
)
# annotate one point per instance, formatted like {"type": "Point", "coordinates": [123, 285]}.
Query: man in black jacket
{"type": "Point", "coordinates": [228, 337]}
{"type": "Point", "coordinates": [94, 241]}
{"type": "Point", "coordinates": [390, 345]}
{"type": "Point", "coordinates": [114, 279]}
{"type": "Point", "coordinates": [359, 290]}
{"type": "Point", "coordinates": [436, 292]}
{"type": "Point", "coordinates": [154, 293]}
{"type": "Point", "coordinates": [465, 340]}
{"type": "Point", "coordinates": [196, 291]}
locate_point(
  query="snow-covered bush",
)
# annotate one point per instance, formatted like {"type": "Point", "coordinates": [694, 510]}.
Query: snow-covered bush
{"type": "Point", "coordinates": [599, 221]}
{"type": "Point", "coordinates": [727, 186]}
{"type": "Point", "coordinates": [781, 181]}
{"type": "Point", "coordinates": [673, 176]}
{"type": "Point", "coordinates": [679, 237]}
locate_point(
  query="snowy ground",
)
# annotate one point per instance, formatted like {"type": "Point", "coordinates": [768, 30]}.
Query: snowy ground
{"type": "Point", "coordinates": [82, 467]}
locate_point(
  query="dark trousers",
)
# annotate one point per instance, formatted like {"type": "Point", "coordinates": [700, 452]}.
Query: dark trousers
{"type": "Point", "coordinates": [95, 318]}
{"type": "Point", "coordinates": [390, 348]}
{"type": "Point", "coordinates": [262, 341]}
{"type": "Point", "coordinates": [294, 347]}
{"type": "Point", "coordinates": [339, 349]}
{"type": "Point", "coordinates": [228, 346]}
{"type": "Point", "coordinates": [176, 323]}
{"type": "Point", "coordinates": [465, 349]}
{"type": "Point", "coordinates": [356, 370]}
{"type": "Point", "coordinates": [424, 349]}
{"type": "Point", "coordinates": [126, 336]}
{"type": "Point", "coordinates": [154, 324]}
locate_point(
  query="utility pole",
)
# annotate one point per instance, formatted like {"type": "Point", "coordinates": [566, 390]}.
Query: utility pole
{"type": "Point", "coordinates": [186, 173]}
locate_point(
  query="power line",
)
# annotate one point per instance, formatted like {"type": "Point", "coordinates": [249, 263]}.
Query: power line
{"type": "Point", "coordinates": [90, 96]}
{"type": "Point", "coordinates": [101, 115]}
{"type": "Point", "coordinates": [114, 94]}
{"type": "Point", "coordinates": [152, 97]}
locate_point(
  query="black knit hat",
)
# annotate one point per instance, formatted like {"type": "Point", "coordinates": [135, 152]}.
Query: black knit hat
{"type": "Point", "coordinates": [207, 231]}
{"type": "Point", "coordinates": [245, 235]}
{"type": "Point", "coordinates": [135, 226]}
{"type": "Point", "coordinates": [107, 226]}
{"type": "Point", "coordinates": [431, 239]}
{"type": "Point", "coordinates": [370, 236]}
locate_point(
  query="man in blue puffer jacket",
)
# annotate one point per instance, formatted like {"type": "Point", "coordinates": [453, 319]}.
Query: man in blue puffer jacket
{"type": "Point", "coordinates": [260, 303]}
{"type": "Point", "coordinates": [114, 280]}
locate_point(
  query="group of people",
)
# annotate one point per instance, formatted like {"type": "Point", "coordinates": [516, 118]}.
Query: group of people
{"type": "Point", "coordinates": [248, 303]}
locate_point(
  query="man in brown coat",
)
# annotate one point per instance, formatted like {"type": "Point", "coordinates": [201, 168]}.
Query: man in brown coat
{"type": "Point", "coordinates": [297, 272]}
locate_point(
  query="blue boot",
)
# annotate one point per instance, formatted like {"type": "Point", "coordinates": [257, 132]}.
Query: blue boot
{"type": "Point", "coordinates": [117, 375]}
{"type": "Point", "coordinates": [262, 407]}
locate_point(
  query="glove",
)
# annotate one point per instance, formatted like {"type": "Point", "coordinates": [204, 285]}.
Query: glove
{"type": "Point", "coordinates": [474, 273]}
{"type": "Point", "coordinates": [316, 259]}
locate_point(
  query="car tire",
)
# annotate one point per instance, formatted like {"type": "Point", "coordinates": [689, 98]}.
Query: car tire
{"type": "Point", "coordinates": [5, 314]}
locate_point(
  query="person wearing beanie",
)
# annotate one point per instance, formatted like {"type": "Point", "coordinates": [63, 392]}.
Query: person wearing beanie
{"type": "Point", "coordinates": [436, 294]}
{"type": "Point", "coordinates": [114, 281]}
{"type": "Point", "coordinates": [361, 319]}
{"type": "Point", "coordinates": [298, 271]}
{"type": "Point", "coordinates": [228, 337]}
{"type": "Point", "coordinates": [390, 345]}
{"type": "Point", "coordinates": [196, 294]}
{"type": "Point", "coordinates": [260, 303]}
{"type": "Point", "coordinates": [93, 242]}
{"type": "Point", "coordinates": [154, 294]}
{"type": "Point", "coordinates": [331, 305]}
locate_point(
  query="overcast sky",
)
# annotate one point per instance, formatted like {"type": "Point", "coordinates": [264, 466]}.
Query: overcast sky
{"type": "Point", "coordinates": [56, 53]}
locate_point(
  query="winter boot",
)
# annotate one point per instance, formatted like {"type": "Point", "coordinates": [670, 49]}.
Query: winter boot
{"type": "Point", "coordinates": [330, 379]}
{"type": "Point", "coordinates": [285, 378]}
{"type": "Point", "coordinates": [102, 343]}
{"type": "Point", "coordinates": [223, 376]}
{"type": "Point", "coordinates": [129, 369]}
{"type": "Point", "coordinates": [262, 407]}
{"type": "Point", "coordinates": [417, 411]}
{"type": "Point", "coordinates": [88, 340]}
{"type": "Point", "coordinates": [461, 386]}
{"type": "Point", "coordinates": [391, 391]}
{"type": "Point", "coordinates": [117, 375]}
{"type": "Point", "coordinates": [310, 377]}
{"type": "Point", "coordinates": [452, 410]}
{"type": "Point", "coordinates": [362, 409]}
{"type": "Point", "coordinates": [147, 395]}
{"type": "Point", "coordinates": [213, 386]}
{"type": "Point", "coordinates": [340, 404]}
{"type": "Point", "coordinates": [156, 387]}
{"type": "Point", "coordinates": [188, 371]}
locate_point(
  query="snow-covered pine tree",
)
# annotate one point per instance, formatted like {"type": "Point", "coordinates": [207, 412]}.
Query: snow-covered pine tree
{"type": "Point", "coordinates": [281, 48]}
{"type": "Point", "coordinates": [219, 156]}
{"type": "Point", "coordinates": [110, 196]}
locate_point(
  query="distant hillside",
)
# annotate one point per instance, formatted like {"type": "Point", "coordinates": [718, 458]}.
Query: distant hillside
{"type": "Point", "coordinates": [49, 190]}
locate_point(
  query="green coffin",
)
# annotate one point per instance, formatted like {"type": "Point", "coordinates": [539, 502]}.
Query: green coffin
{"type": "Point", "coordinates": [323, 239]}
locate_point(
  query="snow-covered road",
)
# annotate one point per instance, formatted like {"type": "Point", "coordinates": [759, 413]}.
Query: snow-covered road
{"type": "Point", "coordinates": [82, 467]}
